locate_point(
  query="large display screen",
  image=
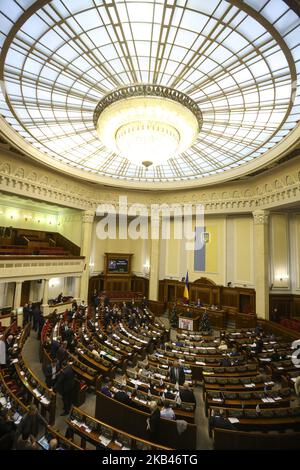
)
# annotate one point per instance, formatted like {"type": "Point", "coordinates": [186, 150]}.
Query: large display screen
{"type": "Point", "coordinates": [118, 266]}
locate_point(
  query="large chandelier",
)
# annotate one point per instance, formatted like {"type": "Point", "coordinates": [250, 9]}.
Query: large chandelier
{"type": "Point", "coordinates": [147, 124]}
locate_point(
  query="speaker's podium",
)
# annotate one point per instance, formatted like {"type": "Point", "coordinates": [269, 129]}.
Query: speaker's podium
{"type": "Point", "coordinates": [188, 322]}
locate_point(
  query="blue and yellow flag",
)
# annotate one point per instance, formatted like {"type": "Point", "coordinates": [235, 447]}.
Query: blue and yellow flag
{"type": "Point", "coordinates": [186, 294]}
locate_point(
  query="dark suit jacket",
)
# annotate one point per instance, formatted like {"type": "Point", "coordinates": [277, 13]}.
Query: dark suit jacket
{"type": "Point", "coordinates": [61, 354]}
{"type": "Point", "coordinates": [154, 420]}
{"type": "Point", "coordinates": [187, 396]}
{"type": "Point", "coordinates": [48, 373]}
{"type": "Point", "coordinates": [66, 381]}
{"type": "Point", "coordinates": [181, 375]}
{"type": "Point", "coordinates": [122, 396]}
{"type": "Point", "coordinates": [30, 424]}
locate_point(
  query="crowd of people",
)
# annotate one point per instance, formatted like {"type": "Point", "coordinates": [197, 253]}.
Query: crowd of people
{"type": "Point", "coordinates": [60, 376]}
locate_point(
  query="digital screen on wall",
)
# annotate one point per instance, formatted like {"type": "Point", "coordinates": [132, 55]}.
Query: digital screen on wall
{"type": "Point", "coordinates": [118, 266]}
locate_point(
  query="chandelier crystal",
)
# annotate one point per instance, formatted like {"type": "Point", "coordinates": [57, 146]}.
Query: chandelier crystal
{"type": "Point", "coordinates": [148, 125]}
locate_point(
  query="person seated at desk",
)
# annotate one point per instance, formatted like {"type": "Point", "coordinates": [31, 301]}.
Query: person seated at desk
{"type": "Point", "coordinates": [53, 443]}
{"type": "Point", "coordinates": [122, 396]}
{"type": "Point", "coordinates": [276, 356]}
{"type": "Point", "coordinates": [225, 362]}
{"type": "Point", "coordinates": [94, 351]}
{"type": "Point", "coordinates": [233, 353]}
{"type": "Point", "coordinates": [223, 346]}
{"type": "Point", "coordinates": [214, 307]}
{"type": "Point", "coordinates": [218, 420]}
{"type": "Point", "coordinates": [168, 394]}
{"type": "Point", "coordinates": [186, 394]}
{"type": "Point", "coordinates": [199, 304]}
{"type": "Point", "coordinates": [259, 344]}
{"type": "Point", "coordinates": [105, 389]}
{"type": "Point", "coordinates": [167, 412]}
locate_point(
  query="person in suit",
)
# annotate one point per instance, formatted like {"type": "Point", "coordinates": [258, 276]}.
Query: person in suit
{"type": "Point", "coordinates": [275, 356]}
{"type": "Point", "coordinates": [186, 394]}
{"type": "Point", "coordinates": [62, 353]}
{"type": "Point", "coordinates": [26, 313]}
{"type": "Point", "coordinates": [153, 422]}
{"type": "Point", "coordinates": [225, 362]}
{"type": "Point", "coordinates": [199, 303]}
{"type": "Point", "coordinates": [218, 420]}
{"type": "Point", "coordinates": [177, 374]}
{"type": "Point", "coordinates": [106, 301]}
{"type": "Point", "coordinates": [7, 429]}
{"type": "Point", "coordinates": [36, 316]}
{"type": "Point", "coordinates": [54, 347]}
{"type": "Point", "coordinates": [65, 385]}
{"type": "Point", "coordinates": [2, 350]}
{"type": "Point", "coordinates": [51, 372]}
{"type": "Point", "coordinates": [31, 421]}
{"type": "Point", "coordinates": [259, 344]}
{"type": "Point", "coordinates": [122, 396]}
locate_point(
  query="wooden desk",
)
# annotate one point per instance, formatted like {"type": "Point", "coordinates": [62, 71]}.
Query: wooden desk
{"type": "Point", "coordinates": [217, 318]}
{"type": "Point", "coordinates": [94, 435]}
{"type": "Point", "coordinates": [133, 421]}
{"type": "Point", "coordinates": [226, 439]}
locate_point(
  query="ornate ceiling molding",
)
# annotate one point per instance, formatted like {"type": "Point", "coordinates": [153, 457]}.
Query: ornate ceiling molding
{"type": "Point", "coordinates": [276, 187]}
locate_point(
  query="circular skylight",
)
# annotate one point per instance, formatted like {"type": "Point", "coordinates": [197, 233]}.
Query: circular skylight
{"type": "Point", "coordinates": [239, 61]}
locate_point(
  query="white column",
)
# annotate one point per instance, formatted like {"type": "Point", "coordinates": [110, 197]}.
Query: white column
{"type": "Point", "coordinates": [18, 293]}
{"type": "Point", "coordinates": [261, 258]}
{"type": "Point", "coordinates": [154, 269]}
{"type": "Point", "coordinates": [77, 283]}
{"type": "Point", "coordinates": [45, 306]}
{"type": "Point", "coordinates": [87, 227]}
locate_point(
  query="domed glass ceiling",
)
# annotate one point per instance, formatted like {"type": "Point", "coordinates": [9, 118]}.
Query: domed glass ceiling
{"type": "Point", "coordinates": [240, 62]}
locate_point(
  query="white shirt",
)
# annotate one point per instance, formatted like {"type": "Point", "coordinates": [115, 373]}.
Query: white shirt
{"type": "Point", "coordinates": [167, 413]}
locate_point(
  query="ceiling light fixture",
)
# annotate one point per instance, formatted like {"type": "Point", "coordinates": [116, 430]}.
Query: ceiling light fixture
{"type": "Point", "coordinates": [147, 124]}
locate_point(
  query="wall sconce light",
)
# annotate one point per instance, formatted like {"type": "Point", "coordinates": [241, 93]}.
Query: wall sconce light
{"type": "Point", "coordinates": [147, 268]}
{"type": "Point", "coordinates": [206, 237]}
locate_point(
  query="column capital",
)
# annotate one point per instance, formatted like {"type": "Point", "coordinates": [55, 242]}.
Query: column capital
{"type": "Point", "coordinates": [260, 217]}
{"type": "Point", "coordinates": [88, 216]}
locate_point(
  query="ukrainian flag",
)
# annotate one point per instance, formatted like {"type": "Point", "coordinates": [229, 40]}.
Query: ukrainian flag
{"type": "Point", "coordinates": [186, 294]}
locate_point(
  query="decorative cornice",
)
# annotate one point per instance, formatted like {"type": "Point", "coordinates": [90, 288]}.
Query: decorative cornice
{"type": "Point", "coordinates": [260, 217]}
{"type": "Point", "coordinates": [274, 188]}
